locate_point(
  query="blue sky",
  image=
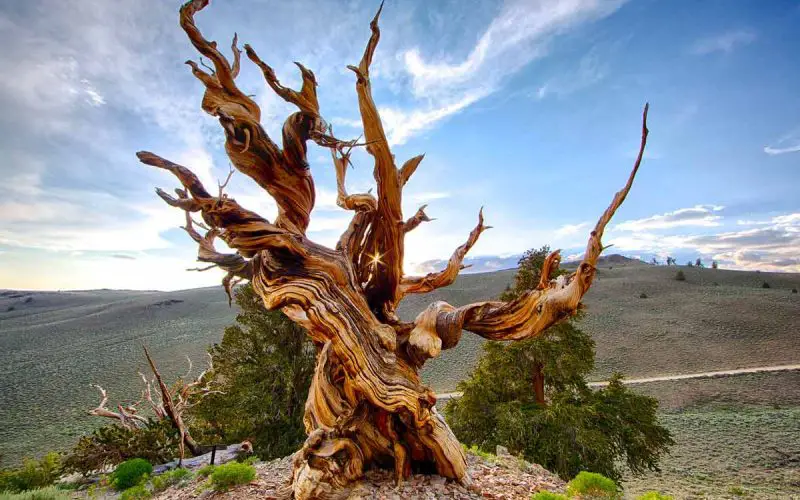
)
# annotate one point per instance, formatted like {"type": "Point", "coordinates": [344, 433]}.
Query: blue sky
{"type": "Point", "coordinates": [528, 108]}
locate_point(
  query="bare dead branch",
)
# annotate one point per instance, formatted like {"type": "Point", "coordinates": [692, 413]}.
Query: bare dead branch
{"type": "Point", "coordinates": [432, 281]}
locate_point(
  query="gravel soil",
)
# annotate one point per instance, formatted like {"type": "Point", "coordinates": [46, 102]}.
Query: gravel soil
{"type": "Point", "coordinates": [502, 477]}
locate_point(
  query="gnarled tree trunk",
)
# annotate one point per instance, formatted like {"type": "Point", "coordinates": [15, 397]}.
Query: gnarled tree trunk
{"type": "Point", "coordinates": [366, 406]}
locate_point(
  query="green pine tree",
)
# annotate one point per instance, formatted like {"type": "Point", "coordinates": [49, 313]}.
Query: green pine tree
{"type": "Point", "coordinates": [532, 397]}
{"type": "Point", "coordinates": [263, 367]}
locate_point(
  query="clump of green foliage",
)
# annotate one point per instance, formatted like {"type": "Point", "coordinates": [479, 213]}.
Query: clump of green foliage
{"type": "Point", "coordinates": [548, 495]}
{"type": "Point", "coordinates": [231, 474]}
{"type": "Point", "coordinates": [138, 492]}
{"type": "Point", "coordinates": [156, 442]}
{"type": "Point", "coordinates": [592, 485]}
{"type": "Point", "coordinates": [264, 366]}
{"type": "Point", "coordinates": [130, 473]}
{"type": "Point", "coordinates": [170, 478]}
{"type": "Point", "coordinates": [654, 495]}
{"type": "Point", "coordinates": [33, 474]}
{"type": "Point", "coordinates": [679, 276]}
{"type": "Point", "coordinates": [206, 470]}
{"type": "Point", "coordinates": [47, 493]}
{"type": "Point", "coordinates": [570, 427]}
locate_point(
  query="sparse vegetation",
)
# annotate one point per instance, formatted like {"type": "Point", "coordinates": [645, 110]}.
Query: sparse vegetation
{"type": "Point", "coordinates": [138, 492]}
{"type": "Point", "coordinates": [765, 285]}
{"type": "Point", "coordinates": [794, 290]}
{"type": "Point", "coordinates": [642, 295]}
{"type": "Point", "coordinates": [170, 478]}
{"type": "Point", "coordinates": [547, 495]}
{"type": "Point", "coordinates": [130, 473]}
{"type": "Point", "coordinates": [654, 495]}
{"type": "Point", "coordinates": [206, 470]}
{"type": "Point", "coordinates": [32, 475]}
{"type": "Point", "coordinates": [231, 474]}
{"type": "Point", "coordinates": [47, 493]}
{"type": "Point", "coordinates": [679, 276]}
{"type": "Point", "coordinates": [592, 485]}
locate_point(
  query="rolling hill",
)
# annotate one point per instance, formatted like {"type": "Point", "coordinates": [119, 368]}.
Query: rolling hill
{"type": "Point", "coordinates": [54, 344]}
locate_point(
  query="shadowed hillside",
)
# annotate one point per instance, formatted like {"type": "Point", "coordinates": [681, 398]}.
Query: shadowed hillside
{"type": "Point", "coordinates": [54, 344]}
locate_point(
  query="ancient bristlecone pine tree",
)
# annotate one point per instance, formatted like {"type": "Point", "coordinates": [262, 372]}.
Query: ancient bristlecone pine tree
{"type": "Point", "coordinates": [367, 405]}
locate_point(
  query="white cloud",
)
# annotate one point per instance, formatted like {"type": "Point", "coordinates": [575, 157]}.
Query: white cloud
{"type": "Point", "coordinates": [699, 215]}
{"type": "Point", "coordinates": [773, 245]}
{"type": "Point", "coordinates": [426, 196]}
{"type": "Point", "coordinates": [590, 70]}
{"type": "Point", "coordinates": [401, 125]}
{"type": "Point", "coordinates": [569, 229]}
{"type": "Point", "coordinates": [789, 143]}
{"type": "Point", "coordinates": [723, 42]}
{"type": "Point", "coordinates": [519, 34]}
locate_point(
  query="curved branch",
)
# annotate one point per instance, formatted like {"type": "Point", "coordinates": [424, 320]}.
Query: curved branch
{"type": "Point", "coordinates": [536, 310]}
{"type": "Point", "coordinates": [417, 219]}
{"type": "Point", "coordinates": [240, 228]}
{"type": "Point", "coordinates": [364, 202]}
{"type": "Point", "coordinates": [305, 100]}
{"type": "Point", "coordinates": [408, 168]}
{"type": "Point", "coordinates": [224, 74]}
{"type": "Point", "coordinates": [432, 281]}
{"type": "Point", "coordinates": [385, 237]}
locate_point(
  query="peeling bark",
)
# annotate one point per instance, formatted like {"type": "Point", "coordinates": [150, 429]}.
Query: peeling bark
{"type": "Point", "coordinates": [367, 406]}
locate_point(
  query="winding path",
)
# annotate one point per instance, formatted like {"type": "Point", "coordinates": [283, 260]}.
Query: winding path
{"type": "Point", "coordinates": [722, 373]}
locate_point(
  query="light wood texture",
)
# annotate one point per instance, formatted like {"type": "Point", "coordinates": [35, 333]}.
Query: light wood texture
{"type": "Point", "coordinates": [367, 406]}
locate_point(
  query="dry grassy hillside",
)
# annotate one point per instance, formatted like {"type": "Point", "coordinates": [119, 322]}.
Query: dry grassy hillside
{"type": "Point", "coordinates": [54, 344]}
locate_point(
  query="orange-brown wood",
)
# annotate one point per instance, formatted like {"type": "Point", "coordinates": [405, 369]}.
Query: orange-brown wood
{"type": "Point", "coordinates": [366, 406]}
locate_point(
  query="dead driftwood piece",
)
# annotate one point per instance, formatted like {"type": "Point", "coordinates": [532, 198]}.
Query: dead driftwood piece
{"type": "Point", "coordinates": [171, 405]}
{"type": "Point", "coordinates": [367, 406]}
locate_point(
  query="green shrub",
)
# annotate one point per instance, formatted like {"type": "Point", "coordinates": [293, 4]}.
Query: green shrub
{"type": "Point", "coordinates": [679, 276]}
{"type": "Point", "coordinates": [156, 442]}
{"type": "Point", "coordinates": [206, 470]}
{"type": "Point", "coordinates": [130, 473]}
{"type": "Point", "coordinates": [251, 460]}
{"type": "Point", "coordinates": [167, 479]}
{"type": "Point", "coordinates": [48, 493]}
{"type": "Point", "coordinates": [227, 475]}
{"type": "Point", "coordinates": [548, 495]}
{"type": "Point", "coordinates": [138, 492]}
{"type": "Point", "coordinates": [32, 475]}
{"type": "Point", "coordinates": [592, 485]}
{"type": "Point", "coordinates": [654, 495]}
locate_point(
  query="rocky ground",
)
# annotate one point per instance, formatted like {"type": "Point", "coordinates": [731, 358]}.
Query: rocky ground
{"type": "Point", "coordinates": [501, 477]}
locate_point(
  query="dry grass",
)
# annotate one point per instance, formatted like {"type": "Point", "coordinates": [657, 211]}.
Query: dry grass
{"type": "Point", "coordinates": [53, 345]}
{"type": "Point", "coordinates": [735, 436]}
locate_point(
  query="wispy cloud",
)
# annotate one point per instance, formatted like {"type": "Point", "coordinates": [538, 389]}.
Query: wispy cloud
{"type": "Point", "coordinates": [699, 215]}
{"type": "Point", "coordinates": [590, 70]}
{"type": "Point", "coordinates": [789, 143]}
{"type": "Point", "coordinates": [569, 229]}
{"type": "Point", "coordinates": [723, 42]}
{"type": "Point", "coordinates": [519, 34]}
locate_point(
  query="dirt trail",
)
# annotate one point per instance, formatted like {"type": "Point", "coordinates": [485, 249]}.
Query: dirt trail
{"type": "Point", "coordinates": [721, 373]}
